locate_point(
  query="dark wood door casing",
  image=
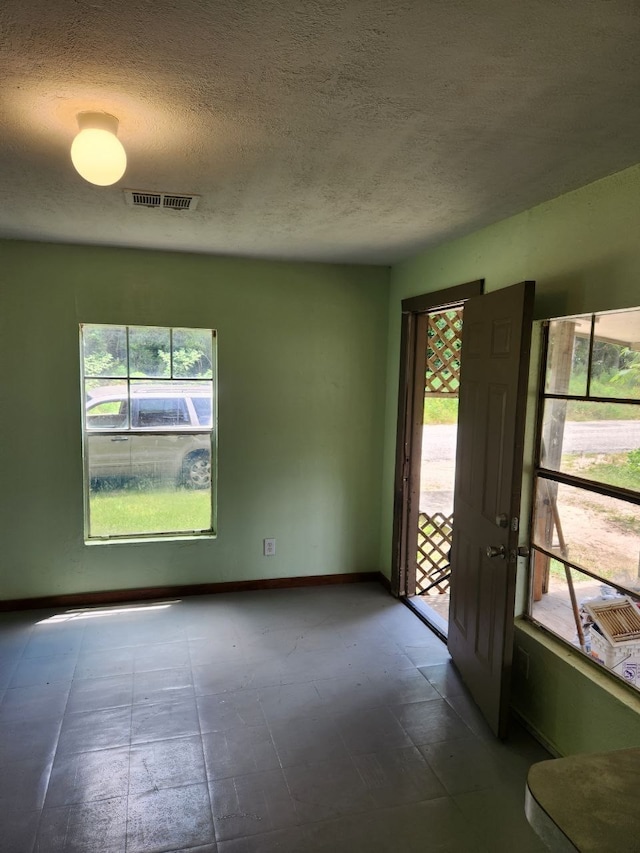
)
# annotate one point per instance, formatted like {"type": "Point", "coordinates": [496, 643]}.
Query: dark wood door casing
{"type": "Point", "coordinates": [413, 352]}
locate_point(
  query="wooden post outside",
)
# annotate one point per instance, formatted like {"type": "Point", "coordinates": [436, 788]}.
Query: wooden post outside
{"type": "Point", "coordinates": [559, 361]}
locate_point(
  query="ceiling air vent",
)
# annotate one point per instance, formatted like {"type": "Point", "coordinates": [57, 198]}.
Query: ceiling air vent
{"type": "Point", "coordinates": [164, 201]}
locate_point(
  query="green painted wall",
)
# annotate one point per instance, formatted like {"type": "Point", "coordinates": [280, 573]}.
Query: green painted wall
{"type": "Point", "coordinates": [571, 704]}
{"type": "Point", "coordinates": [301, 356]}
{"type": "Point", "coordinates": [583, 251]}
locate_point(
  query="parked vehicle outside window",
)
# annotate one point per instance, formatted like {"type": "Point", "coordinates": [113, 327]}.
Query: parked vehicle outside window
{"type": "Point", "coordinates": [154, 409]}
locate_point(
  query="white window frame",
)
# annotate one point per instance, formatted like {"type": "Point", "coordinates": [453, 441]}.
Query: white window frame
{"type": "Point", "coordinates": [539, 471]}
{"type": "Point", "coordinates": [130, 431]}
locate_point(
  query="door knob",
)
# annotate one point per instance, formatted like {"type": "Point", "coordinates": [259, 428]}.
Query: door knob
{"type": "Point", "coordinates": [496, 551]}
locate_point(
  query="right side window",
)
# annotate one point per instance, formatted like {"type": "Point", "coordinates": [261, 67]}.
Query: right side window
{"type": "Point", "coordinates": [586, 526]}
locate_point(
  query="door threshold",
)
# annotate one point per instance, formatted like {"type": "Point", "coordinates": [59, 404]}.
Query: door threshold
{"type": "Point", "coordinates": [427, 615]}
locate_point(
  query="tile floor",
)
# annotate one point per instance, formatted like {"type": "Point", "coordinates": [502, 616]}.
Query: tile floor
{"type": "Point", "coordinates": [326, 719]}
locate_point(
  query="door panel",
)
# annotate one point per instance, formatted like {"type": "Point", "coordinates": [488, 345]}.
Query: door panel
{"type": "Point", "coordinates": [495, 359]}
{"type": "Point", "coordinates": [492, 491]}
{"type": "Point", "coordinates": [458, 607]}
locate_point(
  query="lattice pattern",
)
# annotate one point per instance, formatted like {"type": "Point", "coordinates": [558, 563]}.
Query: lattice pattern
{"type": "Point", "coordinates": [434, 542]}
{"type": "Point", "coordinates": [444, 340]}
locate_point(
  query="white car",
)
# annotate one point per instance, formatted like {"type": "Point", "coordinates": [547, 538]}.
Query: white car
{"type": "Point", "coordinates": [166, 436]}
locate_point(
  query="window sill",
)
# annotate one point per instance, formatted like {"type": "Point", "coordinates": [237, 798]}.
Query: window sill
{"type": "Point", "coordinates": [137, 540]}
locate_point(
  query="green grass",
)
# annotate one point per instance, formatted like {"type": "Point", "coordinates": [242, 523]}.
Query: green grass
{"type": "Point", "coordinates": [440, 410]}
{"type": "Point", "coordinates": [132, 511]}
{"type": "Point", "coordinates": [602, 387]}
{"type": "Point", "coordinates": [614, 469]}
{"type": "Point", "coordinates": [578, 411]}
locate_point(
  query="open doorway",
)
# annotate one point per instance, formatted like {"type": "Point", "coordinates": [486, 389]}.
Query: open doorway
{"type": "Point", "coordinates": [438, 465]}
{"type": "Point", "coordinates": [488, 481]}
{"type": "Point", "coordinates": [426, 450]}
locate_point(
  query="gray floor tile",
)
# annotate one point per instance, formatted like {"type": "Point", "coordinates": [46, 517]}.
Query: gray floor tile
{"type": "Point", "coordinates": [371, 730]}
{"type": "Point", "coordinates": [469, 712]}
{"type": "Point", "coordinates": [215, 649]}
{"type": "Point", "coordinates": [21, 740]}
{"type": "Point", "coordinates": [54, 640]}
{"type": "Point", "coordinates": [161, 656]}
{"type": "Point", "coordinates": [281, 841]}
{"type": "Point", "coordinates": [438, 823]}
{"type": "Point", "coordinates": [23, 785]}
{"type": "Point", "coordinates": [87, 776]}
{"type": "Point", "coordinates": [282, 642]}
{"type": "Point", "coordinates": [433, 652]}
{"type": "Point", "coordinates": [33, 703]}
{"type": "Point", "coordinates": [97, 827]}
{"type": "Point", "coordinates": [168, 819]}
{"type": "Point", "coordinates": [290, 702]}
{"type": "Point", "coordinates": [237, 710]}
{"type": "Point", "coordinates": [223, 677]}
{"type": "Point", "coordinates": [428, 722]}
{"type": "Point", "coordinates": [164, 720]}
{"type": "Point", "coordinates": [403, 686]}
{"type": "Point", "coordinates": [375, 661]}
{"type": "Point", "coordinates": [348, 694]}
{"type": "Point", "coordinates": [104, 638]}
{"type": "Point", "coordinates": [308, 740]}
{"type": "Point", "coordinates": [7, 668]}
{"type": "Point", "coordinates": [91, 730]}
{"type": "Point", "coordinates": [43, 671]}
{"type": "Point", "coordinates": [162, 685]}
{"type": "Point", "coordinates": [327, 790]}
{"type": "Point", "coordinates": [497, 819]}
{"type": "Point", "coordinates": [466, 764]}
{"type": "Point", "coordinates": [236, 752]}
{"type": "Point", "coordinates": [19, 830]}
{"type": "Point", "coordinates": [101, 664]}
{"type": "Point", "coordinates": [303, 666]}
{"type": "Point", "coordinates": [97, 694]}
{"type": "Point", "coordinates": [166, 764]}
{"type": "Point", "coordinates": [398, 776]}
{"type": "Point", "coordinates": [255, 803]}
{"type": "Point", "coordinates": [445, 678]}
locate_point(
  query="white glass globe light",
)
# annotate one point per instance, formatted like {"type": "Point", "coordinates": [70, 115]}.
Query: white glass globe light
{"type": "Point", "coordinates": [96, 152]}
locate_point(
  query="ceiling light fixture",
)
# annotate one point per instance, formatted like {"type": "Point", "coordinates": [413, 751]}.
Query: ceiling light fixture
{"type": "Point", "coordinates": [96, 152]}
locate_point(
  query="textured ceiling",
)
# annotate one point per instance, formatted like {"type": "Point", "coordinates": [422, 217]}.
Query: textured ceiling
{"type": "Point", "coordinates": [313, 129]}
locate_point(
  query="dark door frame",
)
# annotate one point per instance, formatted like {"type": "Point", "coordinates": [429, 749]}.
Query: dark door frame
{"type": "Point", "coordinates": [413, 353]}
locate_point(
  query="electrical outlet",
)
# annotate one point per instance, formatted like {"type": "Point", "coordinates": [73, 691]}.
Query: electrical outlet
{"type": "Point", "coordinates": [269, 546]}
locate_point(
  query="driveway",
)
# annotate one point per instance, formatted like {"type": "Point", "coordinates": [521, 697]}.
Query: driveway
{"type": "Point", "coordinates": [439, 441]}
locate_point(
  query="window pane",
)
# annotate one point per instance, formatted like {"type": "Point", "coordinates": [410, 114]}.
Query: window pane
{"type": "Point", "coordinates": [202, 406]}
{"type": "Point", "coordinates": [598, 441]}
{"type": "Point", "coordinates": [104, 350]}
{"type": "Point", "coordinates": [600, 533]}
{"type": "Point", "coordinates": [609, 621]}
{"type": "Point", "coordinates": [106, 404]}
{"type": "Point", "coordinates": [615, 369]}
{"type": "Point", "coordinates": [568, 356]}
{"type": "Point", "coordinates": [170, 405]}
{"type": "Point", "coordinates": [149, 351]}
{"type": "Point", "coordinates": [192, 354]}
{"type": "Point", "coordinates": [145, 484]}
